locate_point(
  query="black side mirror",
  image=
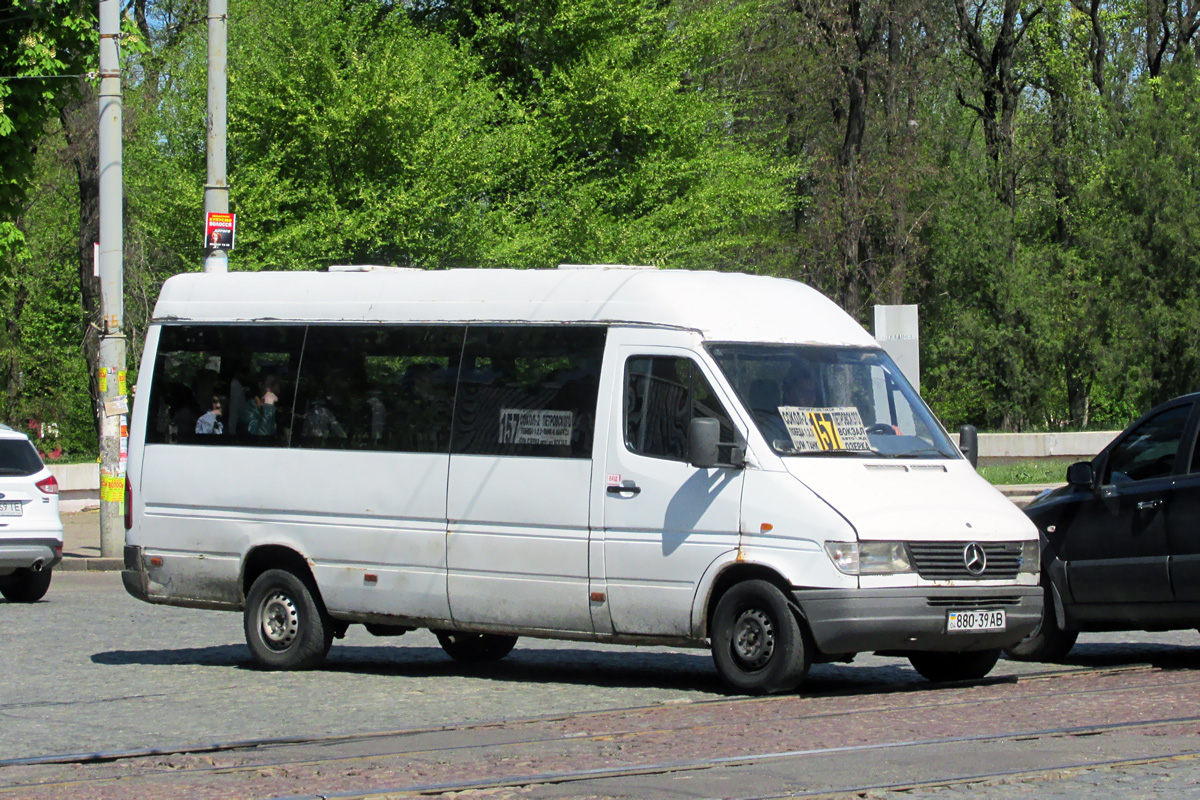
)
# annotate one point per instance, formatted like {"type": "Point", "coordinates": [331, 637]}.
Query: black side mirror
{"type": "Point", "coordinates": [704, 445]}
{"type": "Point", "coordinates": [968, 442]}
{"type": "Point", "coordinates": [704, 439]}
{"type": "Point", "coordinates": [1081, 475]}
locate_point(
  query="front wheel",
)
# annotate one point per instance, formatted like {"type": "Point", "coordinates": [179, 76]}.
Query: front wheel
{"type": "Point", "coordinates": [941, 667]}
{"type": "Point", "coordinates": [1047, 642]}
{"type": "Point", "coordinates": [286, 626]}
{"type": "Point", "coordinates": [757, 642]}
{"type": "Point", "coordinates": [25, 585]}
{"type": "Point", "coordinates": [475, 647]}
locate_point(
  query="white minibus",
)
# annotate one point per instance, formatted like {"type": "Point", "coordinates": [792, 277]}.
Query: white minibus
{"type": "Point", "coordinates": [607, 454]}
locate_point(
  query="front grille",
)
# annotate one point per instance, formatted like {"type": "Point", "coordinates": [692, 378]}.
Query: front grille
{"type": "Point", "coordinates": [943, 561]}
{"type": "Point", "coordinates": [972, 602]}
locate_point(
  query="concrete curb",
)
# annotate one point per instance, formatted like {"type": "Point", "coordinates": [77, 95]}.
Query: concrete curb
{"type": "Point", "coordinates": [76, 564]}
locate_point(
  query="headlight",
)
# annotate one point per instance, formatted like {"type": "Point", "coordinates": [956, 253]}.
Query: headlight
{"type": "Point", "coordinates": [1031, 557]}
{"type": "Point", "coordinates": [869, 558]}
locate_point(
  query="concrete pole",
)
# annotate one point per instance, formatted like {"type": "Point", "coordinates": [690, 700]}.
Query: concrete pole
{"type": "Point", "coordinates": [111, 267]}
{"type": "Point", "coordinates": [216, 187]}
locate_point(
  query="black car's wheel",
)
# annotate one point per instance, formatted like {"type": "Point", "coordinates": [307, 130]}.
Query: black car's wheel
{"type": "Point", "coordinates": [940, 667]}
{"type": "Point", "coordinates": [287, 628]}
{"type": "Point", "coordinates": [1047, 642]}
{"type": "Point", "coordinates": [25, 585]}
{"type": "Point", "coordinates": [475, 647]}
{"type": "Point", "coordinates": [758, 644]}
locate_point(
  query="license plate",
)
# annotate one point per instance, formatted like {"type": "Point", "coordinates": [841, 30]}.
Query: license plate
{"type": "Point", "coordinates": [10, 508]}
{"type": "Point", "coordinates": [974, 621]}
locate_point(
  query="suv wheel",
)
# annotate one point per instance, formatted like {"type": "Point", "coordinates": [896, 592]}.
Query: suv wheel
{"type": "Point", "coordinates": [25, 585]}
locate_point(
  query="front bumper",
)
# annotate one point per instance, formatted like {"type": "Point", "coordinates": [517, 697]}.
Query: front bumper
{"type": "Point", "coordinates": [846, 621]}
{"type": "Point", "coordinates": [23, 553]}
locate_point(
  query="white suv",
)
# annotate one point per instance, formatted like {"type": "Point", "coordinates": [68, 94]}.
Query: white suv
{"type": "Point", "coordinates": [31, 534]}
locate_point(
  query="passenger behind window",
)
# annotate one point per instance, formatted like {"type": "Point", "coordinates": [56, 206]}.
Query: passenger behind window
{"type": "Point", "coordinates": [800, 387]}
{"type": "Point", "coordinates": [378, 416]}
{"type": "Point", "coordinates": [235, 417]}
{"type": "Point", "coordinates": [187, 409]}
{"type": "Point", "coordinates": [260, 416]}
{"type": "Point", "coordinates": [427, 391]}
{"type": "Point", "coordinates": [320, 422]}
{"type": "Point", "coordinates": [210, 421]}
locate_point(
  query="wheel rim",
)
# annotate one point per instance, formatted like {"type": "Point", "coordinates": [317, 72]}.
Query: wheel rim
{"type": "Point", "coordinates": [754, 638]}
{"type": "Point", "coordinates": [279, 621]}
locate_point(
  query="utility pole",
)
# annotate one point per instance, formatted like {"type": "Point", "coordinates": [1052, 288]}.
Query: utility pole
{"type": "Point", "coordinates": [111, 267]}
{"type": "Point", "coordinates": [216, 187]}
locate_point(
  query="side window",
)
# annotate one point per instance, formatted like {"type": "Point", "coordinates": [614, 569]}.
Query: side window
{"type": "Point", "coordinates": [377, 388]}
{"type": "Point", "coordinates": [1149, 450]}
{"type": "Point", "coordinates": [224, 385]}
{"type": "Point", "coordinates": [528, 391]}
{"type": "Point", "coordinates": [662, 396]}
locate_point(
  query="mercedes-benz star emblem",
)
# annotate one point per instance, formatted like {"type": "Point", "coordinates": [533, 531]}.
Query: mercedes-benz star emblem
{"type": "Point", "coordinates": [974, 558]}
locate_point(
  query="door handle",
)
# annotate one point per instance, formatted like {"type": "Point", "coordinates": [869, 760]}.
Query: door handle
{"type": "Point", "coordinates": [1146, 505]}
{"type": "Point", "coordinates": [632, 489]}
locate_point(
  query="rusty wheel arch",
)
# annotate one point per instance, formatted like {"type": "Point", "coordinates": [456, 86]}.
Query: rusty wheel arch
{"type": "Point", "coordinates": [736, 573]}
{"type": "Point", "coordinates": [276, 556]}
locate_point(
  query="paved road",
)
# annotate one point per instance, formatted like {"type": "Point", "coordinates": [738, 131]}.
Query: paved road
{"type": "Point", "coordinates": [92, 670]}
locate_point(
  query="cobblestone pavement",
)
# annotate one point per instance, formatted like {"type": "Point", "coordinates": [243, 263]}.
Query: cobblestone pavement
{"type": "Point", "coordinates": [1173, 778]}
{"type": "Point", "coordinates": [92, 670]}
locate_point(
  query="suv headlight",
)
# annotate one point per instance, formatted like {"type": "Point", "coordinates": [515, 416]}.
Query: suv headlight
{"type": "Point", "coordinates": [1031, 556]}
{"type": "Point", "coordinates": [869, 558]}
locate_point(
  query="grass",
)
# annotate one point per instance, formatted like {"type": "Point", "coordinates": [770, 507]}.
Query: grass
{"type": "Point", "coordinates": [1041, 470]}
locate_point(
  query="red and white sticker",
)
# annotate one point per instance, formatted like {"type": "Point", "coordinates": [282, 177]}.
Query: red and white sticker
{"type": "Point", "coordinates": [614, 479]}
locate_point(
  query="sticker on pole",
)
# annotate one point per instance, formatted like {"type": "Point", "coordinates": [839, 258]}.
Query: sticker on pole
{"type": "Point", "coordinates": [825, 428]}
{"type": "Point", "coordinates": [219, 230]}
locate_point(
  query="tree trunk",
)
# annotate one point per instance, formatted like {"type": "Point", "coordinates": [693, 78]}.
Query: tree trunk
{"type": "Point", "coordinates": [79, 120]}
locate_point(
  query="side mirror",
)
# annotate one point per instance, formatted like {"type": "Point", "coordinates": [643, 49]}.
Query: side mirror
{"type": "Point", "coordinates": [704, 440]}
{"type": "Point", "coordinates": [968, 442]}
{"type": "Point", "coordinates": [1081, 475]}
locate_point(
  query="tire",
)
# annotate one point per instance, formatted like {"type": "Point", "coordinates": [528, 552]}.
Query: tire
{"type": "Point", "coordinates": [475, 648]}
{"type": "Point", "coordinates": [287, 627]}
{"type": "Point", "coordinates": [1047, 642]}
{"type": "Point", "coordinates": [25, 585]}
{"type": "Point", "coordinates": [942, 667]}
{"type": "Point", "coordinates": [758, 644]}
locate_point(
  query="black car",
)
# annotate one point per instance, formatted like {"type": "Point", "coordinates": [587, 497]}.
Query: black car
{"type": "Point", "coordinates": [1121, 541]}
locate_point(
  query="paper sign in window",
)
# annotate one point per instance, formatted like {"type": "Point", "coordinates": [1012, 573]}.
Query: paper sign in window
{"type": "Point", "coordinates": [535, 426]}
{"type": "Point", "coordinates": [825, 428]}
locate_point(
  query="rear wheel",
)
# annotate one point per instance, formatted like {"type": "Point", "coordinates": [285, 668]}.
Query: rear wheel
{"type": "Point", "coordinates": [287, 628]}
{"type": "Point", "coordinates": [1047, 642]}
{"type": "Point", "coordinates": [758, 644]}
{"type": "Point", "coordinates": [25, 585]}
{"type": "Point", "coordinates": [941, 667]}
{"type": "Point", "coordinates": [475, 647]}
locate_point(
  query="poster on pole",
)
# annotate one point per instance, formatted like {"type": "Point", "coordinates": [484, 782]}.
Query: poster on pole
{"type": "Point", "coordinates": [219, 229]}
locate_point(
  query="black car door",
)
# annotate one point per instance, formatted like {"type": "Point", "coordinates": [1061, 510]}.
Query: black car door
{"type": "Point", "coordinates": [1116, 544]}
{"type": "Point", "coordinates": [1183, 526]}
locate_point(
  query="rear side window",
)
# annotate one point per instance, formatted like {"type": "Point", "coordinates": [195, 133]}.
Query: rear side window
{"type": "Point", "coordinates": [18, 458]}
{"type": "Point", "coordinates": [662, 396]}
{"type": "Point", "coordinates": [528, 391]}
{"type": "Point", "coordinates": [378, 388]}
{"type": "Point", "coordinates": [225, 384]}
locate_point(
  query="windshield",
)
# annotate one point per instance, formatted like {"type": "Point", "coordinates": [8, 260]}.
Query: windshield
{"type": "Point", "coordinates": [813, 400]}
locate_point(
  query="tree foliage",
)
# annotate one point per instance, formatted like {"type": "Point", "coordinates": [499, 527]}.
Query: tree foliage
{"type": "Point", "coordinates": [1024, 171]}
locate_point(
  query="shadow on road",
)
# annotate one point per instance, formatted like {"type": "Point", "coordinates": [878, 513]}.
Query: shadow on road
{"type": "Point", "coordinates": [632, 668]}
{"type": "Point", "coordinates": [690, 672]}
{"type": "Point", "coordinates": [1118, 655]}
